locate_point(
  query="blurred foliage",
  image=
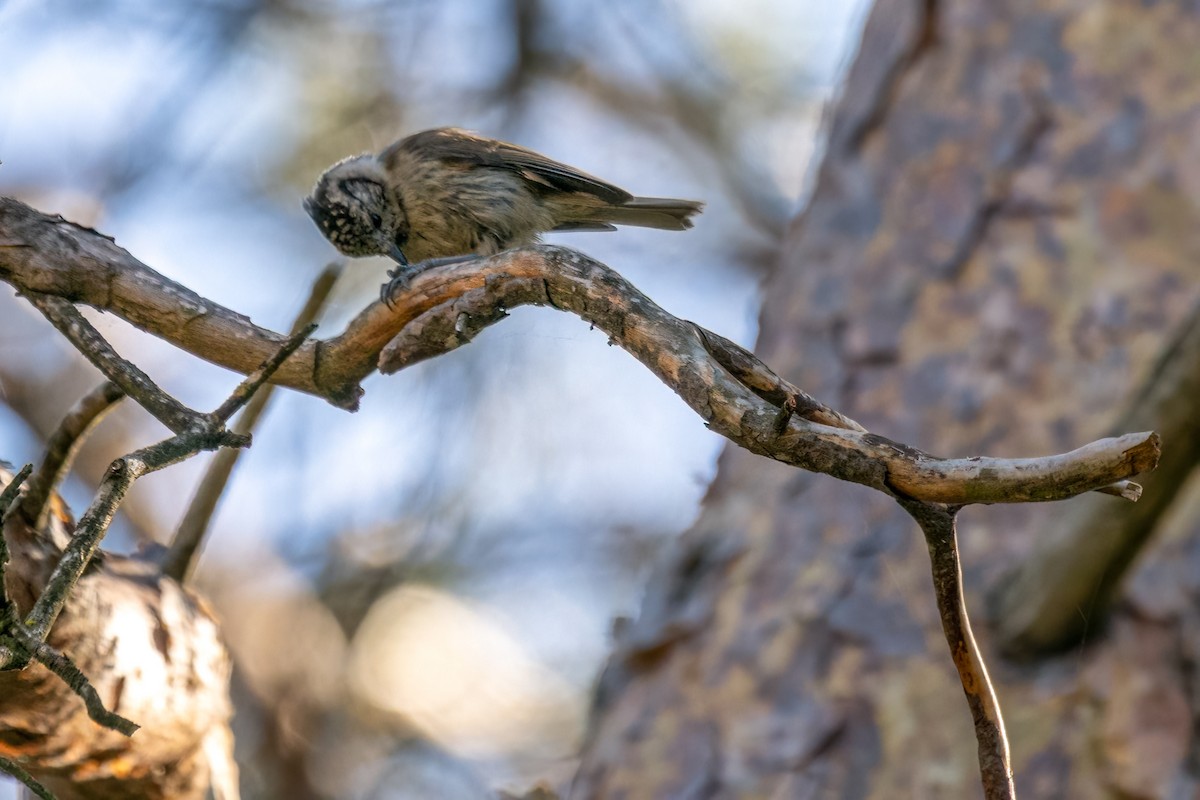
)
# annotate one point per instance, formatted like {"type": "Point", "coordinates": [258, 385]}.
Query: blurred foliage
{"type": "Point", "coordinates": [502, 502]}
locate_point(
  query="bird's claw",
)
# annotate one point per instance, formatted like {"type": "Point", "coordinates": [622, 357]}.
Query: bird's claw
{"type": "Point", "coordinates": [403, 274]}
{"type": "Point", "coordinates": [399, 280]}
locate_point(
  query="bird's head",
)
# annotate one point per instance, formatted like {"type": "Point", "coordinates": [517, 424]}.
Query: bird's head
{"type": "Point", "coordinates": [356, 209]}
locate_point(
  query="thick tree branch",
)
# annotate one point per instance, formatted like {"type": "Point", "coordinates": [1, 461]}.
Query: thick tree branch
{"type": "Point", "coordinates": [448, 306]}
{"type": "Point", "coordinates": [742, 403]}
{"type": "Point", "coordinates": [45, 254]}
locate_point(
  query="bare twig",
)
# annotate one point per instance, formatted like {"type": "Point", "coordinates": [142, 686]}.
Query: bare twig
{"type": "Point", "coordinates": [17, 771]}
{"type": "Point", "coordinates": [65, 668]}
{"type": "Point", "coordinates": [1127, 489]}
{"type": "Point", "coordinates": [95, 521]}
{"type": "Point", "coordinates": [120, 477]}
{"type": "Point", "coordinates": [137, 384]}
{"type": "Point", "coordinates": [9, 496]}
{"type": "Point", "coordinates": [8, 502]}
{"type": "Point", "coordinates": [181, 556]}
{"type": "Point", "coordinates": [62, 447]}
{"type": "Point", "coordinates": [8, 614]}
{"type": "Point", "coordinates": [26, 639]}
{"type": "Point", "coordinates": [995, 766]}
{"type": "Point", "coordinates": [246, 389]}
{"type": "Point", "coordinates": [762, 380]}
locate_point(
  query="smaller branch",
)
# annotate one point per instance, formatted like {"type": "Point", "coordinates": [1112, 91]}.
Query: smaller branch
{"type": "Point", "coordinates": [14, 769]}
{"type": "Point", "coordinates": [120, 477]}
{"type": "Point", "coordinates": [8, 613]}
{"type": "Point", "coordinates": [9, 496]}
{"type": "Point", "coordinates": [8, 503]}
{"type": "Point", "coordinates": [26, 639]}
{"type": "Point", "coordinates": [749, 369]}
{"type": "Point", "coordinates": [995, 765]}
{"type": "Point", "coordinates": [65, 668]}
{"type": "Point", "coordinates": [88, 532]}
{"type": "Point", "coordinates": [181, 555]}
{"type": "Point", "coordinates": [135, 383]}
{"type": "Point", "coordinates": [94, 524]}
{"type": "Point", "coordinates": [1127, 489]}
{"type": "Point", "coordinates": [62, 447]}
{"type": "Point", "coordinates": [246, 389]}
{"type": "Point", "coordinates": [981, 479]}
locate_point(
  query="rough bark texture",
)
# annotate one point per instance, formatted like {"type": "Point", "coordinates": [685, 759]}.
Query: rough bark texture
{"type": "Point", "coordinates": [1002, 237]}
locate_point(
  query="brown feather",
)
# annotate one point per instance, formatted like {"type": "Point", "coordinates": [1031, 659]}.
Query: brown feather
{"type": "Point", "coordinates": [456, 145]}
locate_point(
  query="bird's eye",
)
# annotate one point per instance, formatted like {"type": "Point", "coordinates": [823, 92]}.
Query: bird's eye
{"type": "Point", "coordinates": [376, 221]}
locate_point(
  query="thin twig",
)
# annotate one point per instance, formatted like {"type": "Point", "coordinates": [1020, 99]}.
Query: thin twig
{"type": "Point", "coordinates": [181, 555]}
{"type": "Point", "coordinates": [246, 389]}
{"type": "Point", "coordinates": [1126, 489]}
{"type": "Point", "coordinates": [27, 638]}
{"type": "Point", "coordinates": [62, 447]}
{"type": "Point", "coordinates": [995, 765]}
{"type": "Point", "coordinates": [9, 496]}
{"type": "Point", "coordinates": [94, 523]}
{"type": "Point", "coordinates": [135, 383]}
{"type": "Point", "coordinates": [8, 503]}
{"type": "Point", "coordinates": [120, 477]}
{"type": "Point", "coordinates": [17, 771]}
{"type": "Point", "coordinates": [10, 657]}
{"type": "Point", "coordinates": [65, 668]}
{"type": "Point", "coordinates": [762, 380]}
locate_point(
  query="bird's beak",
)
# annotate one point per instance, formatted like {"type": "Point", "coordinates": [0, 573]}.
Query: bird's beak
{"type": "Point", "coordinates": [398, 255]}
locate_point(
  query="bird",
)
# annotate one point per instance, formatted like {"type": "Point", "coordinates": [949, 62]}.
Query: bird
{"type": "Point", "coordinates": [447, 195]}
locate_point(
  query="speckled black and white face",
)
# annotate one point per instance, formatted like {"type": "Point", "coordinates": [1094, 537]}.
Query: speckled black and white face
{"type": "Point", "coordinates": [356, 212]}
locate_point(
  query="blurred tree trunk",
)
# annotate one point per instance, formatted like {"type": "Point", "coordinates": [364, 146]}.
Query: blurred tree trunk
{"type": "Point", "coordinates": [1003, 235]}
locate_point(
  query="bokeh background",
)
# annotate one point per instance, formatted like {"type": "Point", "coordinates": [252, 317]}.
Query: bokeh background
{"type": "Point", "coordinates": [418, 596]}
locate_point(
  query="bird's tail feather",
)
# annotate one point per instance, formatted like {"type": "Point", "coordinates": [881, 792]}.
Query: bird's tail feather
{"type": "Point", "coordinates": [652, 212]}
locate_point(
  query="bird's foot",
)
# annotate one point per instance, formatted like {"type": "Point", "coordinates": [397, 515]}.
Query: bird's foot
{"type": "Point", "coordinates": [398, 280]}
{"type": "Point", "coordinates": [402, 275]}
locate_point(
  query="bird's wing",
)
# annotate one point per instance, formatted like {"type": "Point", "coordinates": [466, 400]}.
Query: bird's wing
{"type": "Point", "coordinates": [454, 144]}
